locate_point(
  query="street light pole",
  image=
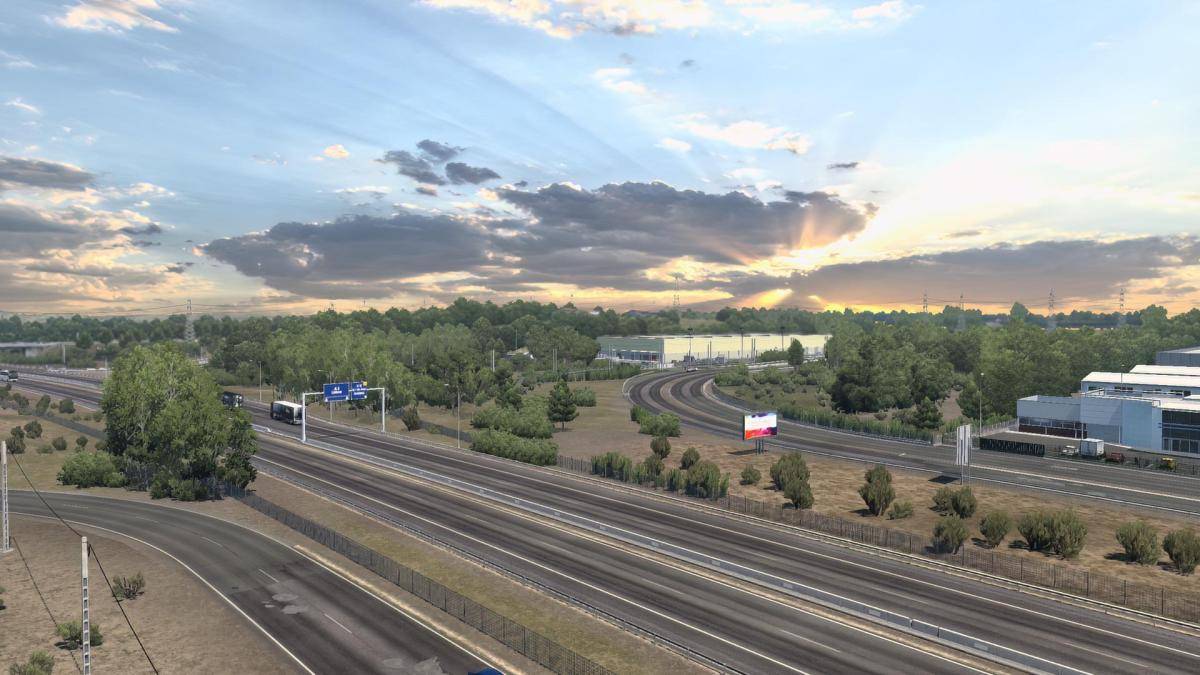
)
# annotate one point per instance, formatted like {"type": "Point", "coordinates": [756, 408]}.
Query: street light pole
{"type": "Point", "coordinates": [458, 407]}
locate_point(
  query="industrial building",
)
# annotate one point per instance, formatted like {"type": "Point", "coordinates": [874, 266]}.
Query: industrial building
{"type": "Point", "coordinates": [1189, 356]}
{"type": "Point", "coordinates": [1153, 408]}
{"type": "Point", "coordinates": [665, 351]}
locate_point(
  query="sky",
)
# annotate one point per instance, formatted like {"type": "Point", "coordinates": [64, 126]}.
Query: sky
{"type": "Point", "coordinates": [273, 157]}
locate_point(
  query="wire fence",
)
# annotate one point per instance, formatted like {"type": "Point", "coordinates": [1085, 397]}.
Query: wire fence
{"type": "Point", "coordinates": [531, 644]}
{"type": "Point", "coordinates": [1161, 600]}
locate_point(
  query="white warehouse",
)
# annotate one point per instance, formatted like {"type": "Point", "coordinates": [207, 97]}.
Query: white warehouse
{"type": "Point", "coordinates": [665, 351]}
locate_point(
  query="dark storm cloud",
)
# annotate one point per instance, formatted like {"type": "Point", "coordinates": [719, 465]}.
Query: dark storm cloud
{"type": "Point", "coordinates": [1075, 269]}
{"type": "Point", "coordinates": [521, 183]}
{"type": "Point", "coordinates": [145, 230]}
{"type": "Point", "coordinates": [36, 173]}
{"type": "Point", "coordinates": [416, 168]}
{"type": "Point", "coordinates": [426, 190]}
{"type": "Point", "coordinates": [724, 228]}
{"type": "Point", "coordinates": [842, 166]}
{"type": "Point", "coordinates": [27, 232]}
{"type": "Point", "coordinates": [460, 173]}
{"type": "Point", "coordinates": [439, 152]}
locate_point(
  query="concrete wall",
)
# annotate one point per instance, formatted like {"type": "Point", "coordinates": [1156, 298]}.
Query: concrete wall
{"type": "Point", "coordinates": [1049, 407]}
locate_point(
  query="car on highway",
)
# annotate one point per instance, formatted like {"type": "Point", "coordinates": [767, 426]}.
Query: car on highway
{"type": "Point", "coordinates": [286, 411]}
{"type": "Point", "coordinates": [9, 376]}
{"type": "Point", "coordinates": [232, 399]}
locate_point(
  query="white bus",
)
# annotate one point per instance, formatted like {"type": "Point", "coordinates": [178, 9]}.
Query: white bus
{"type": "Point", "coordinates": [289, 412]}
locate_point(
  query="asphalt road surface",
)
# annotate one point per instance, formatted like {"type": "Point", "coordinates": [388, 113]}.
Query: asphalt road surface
{"type": "Point", "coordinates": [740, 629]}
{"type": "Point", "coordinates": [325, 623]}
{"type": "Point", "coordinates": [690, 396]}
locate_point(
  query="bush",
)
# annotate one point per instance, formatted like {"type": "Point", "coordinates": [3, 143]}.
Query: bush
{"type": "Point", "coordinates": [1140, 542]}
{"type": "Point", "coordinates": [798, 493]}
{"type": "Point", "coordinates": [17, 431]}
{"type": "Point", "coordinates": [59, 444]}
{"type": "Point", "coordinates": [676, 480]}
{"type": "Point", "coordinates": [81, 442]}
{"type": "Point", "coordinates": [1183, 548]}
{"type": "Point", "coordinates": [791, 465]}
{"type": "Point", "coordinates": [411, 418]}
{"type": "Point", "coordinates": [943, 499]}
{"type": "Point", "coordinates": [636, 413]}
{"type": "Point", "coordinates": [751, 476]}
{"type": "Point", "coordinates": [1068, 534]}
{"type": "Point", "coordinates": [665, 424]}
{"type": "Point", "coordinates": [33, 429]}
{"type": "Point", "coordinates": [188, 489]}
{"type": "Point", "coordinates": [689, 458]}
{"type": "Point", "coordinates": [89, 469]}
{"type": "Point", "coordinates": [995, 526]}
{"type": "Point", "coordinates": [128, 588]}
{"type": "Point", "coordinates": [900, 510]}
{"type": "Point", "coordinates": [661, 447]}
{"type": "Point", "coordinates": [584, 397]}
{"type": "Point", "coordinates": [949, 534]}
{"type": "Point", "coordinates": [44, 449]}
{"type": "Point", "coordinates": [529, 421]}
{"type": "Point", "coordinates": [877, 492]}
{"type": "Point", "coordinates": [43, 404]}
{"type": "Point", "coordinates": [1035, 530]}
{"type": "Point", "coordinates": [511, 446]}
{"type": "Point", "coordinates": [16, 444]}
{"type": "Point", "coordinates": [613, 465]}
{"type": "Point", "coordinates": [66, 406]}
{"type": "Point", "coordinates": [39, 663]}
{"type": "Point", "coordinates": [72, 634]}
{"type": "Point", "coordinates": [963, 503]}
{"type": "Point", "coordinates": [652, 467]}
{"type": "Point", "coordinates": [836, 420]}
{"type": "Point", "coordinates": [704, 480]}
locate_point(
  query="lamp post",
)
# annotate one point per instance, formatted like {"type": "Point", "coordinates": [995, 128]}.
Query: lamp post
{"type": "Point", "coordinates": [980, 407]}
{"type": "Point", "coordinates": [458, 414]}
{"type": "Point", "coordinates": [260, 381]}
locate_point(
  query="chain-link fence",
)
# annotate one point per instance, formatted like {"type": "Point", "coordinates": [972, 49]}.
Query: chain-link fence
{"type": "Point", "coordinates": [516, 636]}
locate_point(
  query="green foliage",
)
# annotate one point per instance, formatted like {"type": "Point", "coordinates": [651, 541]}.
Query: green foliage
{"type": "Point", "coordinates": [66, 406]}
{"type": "Point", "coordinates": [733, 377]}
{"type": "Point", "coordinates": [530, 421]}
{"type": "Point", "coordinates": [561, 406]}
{"type": "Point", "coordinates": [128, 588]}
{"type": "Point", "coordinates": [836, 420]}
{"type": "Point", "coordinates": [59, 443]}
{"type": "Point", "coordinates": [995, 526]}
{"type": "Point", "coordinates": [90, 469]}
{"type": "Point", "coordinates": [877, 492]}
{"type": "Point", "coordinates": [704, 480]}
{"type": "Point", "coordinates": [949, 533]}
{"type": "Point", "coordinates": [1068, 534]}
{"type": "Point", "coordinates": [926, 415]}
{"type": "Point", "coordinates": [584, 397]}
{"type": "Point", "coordinates": [1140, 542]}
{"type": "Point", "coordinates": [798, 492]}
{"type": "Point", "coordinates": [943, 499]}
{"type": "Point", "coordinates": [613, 465]}
{"type": "Point", "coordinates": [16, 444]}
{"type": "Point", "coordinates": [963, 503]}
{"type": "Point", "coordinates": [689, 458]}
{"type": "Point", "coordinates": [43, 404]}
{"type": "Point", "coordinates": [1183, 548]}
{"type": "Point", "coordinates": [20, 401]}
{"type": "Point", "coordinates": [751, 476]}
{"type": "Point", "coordinates": [676, 480]}
{"type": "Point", "coordinates": [81, 442]}
{"type": "Point", "coordinates": [44, 449]}
{"type": "Point", "coordinates": [166, 423]}
{"type": "Point", "coordinates": [509, 396]}
{"type": "Point", "coordinates": [661, 446]}
{"type": "Point", "coordinates": [665, 424]}
{"type": "Point", "coordinates": [795, 353]}
{"type": "Point", "coordinates": [411, 418]}
{"type": "Point", "coordinates": [788, 467]}
{"type": "Point", "coordinates": [71, 633]}
{"type": "Point", "coordinates": [39, 663]}
{"type": "Point", "coordinates": [511, 446]}
{"type": "Point", "coordinates": [636, 413]}
{"type": "Point", "coordinates": [18, 432]}
{"type": "Point", "coordinates": [900, 510]}
{"type": "Point", "coordinates": [1034, 528]}
{"type": "Point", "coordinates": [33, 429]}
{"type": "Point", "coordinates": [652, 466]}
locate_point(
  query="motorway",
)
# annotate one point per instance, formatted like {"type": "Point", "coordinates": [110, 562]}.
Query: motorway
{"type": "Point", "coordinates": [323, 622]}
{"type": "Point", "coordinates": [717, 620]}
{"type": "Point", "coordinates": [691, 397]}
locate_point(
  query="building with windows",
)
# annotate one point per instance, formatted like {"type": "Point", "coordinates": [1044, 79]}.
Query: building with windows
{"type": "Point", "coordinates": [1189, 356]}
{"type": "Point", "coordinates": [665, 351]}
{"type": "Point", "coordinates": [1153, 407]}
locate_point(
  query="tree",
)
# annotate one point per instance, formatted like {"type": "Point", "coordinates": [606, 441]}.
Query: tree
{"type": "Point", "coordinates": [561, 407]}
{"type": "Point", "coordinates": [1140, 542]}
{"type": "Point", "coordinates": [510, 397]}
{"type": "Point", "coordinates": [66, 406]}
{"type": "Point", "coordinates": [410, 418]}
{"type": "Point", "coordinates": [751, 476]}
{"type": "Point", "coordinates": [1068, 534]}
{"type": "Point", "coordinates": [652, 466]}
{"type": "Point", "coordinates": [689, 458]}
{"type": "Point", "coordinates": [1183, 548]}
{"type": "Point", "coordinates": [788, 467]}
{"type": "Point", "coordinates": [994, 527]}
{"type": "Point", "coordinates": [661, 447]}
{"type": "Point", "coordinates": [926, 415]}
{"type": "Point", "coordinates": [877, 492]}
{"type": "Point", "coordinates": [33, 429]}
{"type": "Point", "coordinates": [1035, 530]}
{"type": "Point", "coordinates": [795, 354]}
{"type": "Point", "coordinates": [949, 534]}
{"type": "Point", "coordinates": [16, 444]}
{"type": "Point", "coordinates": [43, 404]}
{"type": "Point", "coordinates": [59, 443]}
{"type": "Point", "coordinates": [963, 503]}
{"type": "Point", "coordinates": [798, 493]}
{"type": "Point", "coordinates": [81, 442]}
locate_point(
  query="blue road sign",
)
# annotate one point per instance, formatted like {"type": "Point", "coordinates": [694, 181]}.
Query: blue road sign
{"type": "Point", "coordinates": [358, 391]}
{"type": "Point", "coordinates": [337, 391]}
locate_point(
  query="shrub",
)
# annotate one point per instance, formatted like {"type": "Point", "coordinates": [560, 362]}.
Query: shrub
{"type": "Point", "coordinates": [88, 469]}
{"type": "Point", "coordinates": [411, 418]}
{"type": "Point", "coordinates": [1140, 542]}
{"type": "Point", "coordinates": [798, 493]}
{"type": "Point", "coordinates": [689, 458]}
{"type": "Point", "coordinates": [1068, 534]}
{"type": "Point", "coordinates": [44, 449]}
{"type": "Point", "coordinates": [751, 476]}
{"type": "Point", "coordinates": [1183, 548]}
{"type": "Point", "coordinates": [102, 445]}
{"type": "Point", "coordinates": [1035, 530]}
{"type": "Point", "coordinates": [39, 663]}
{"type": "Point", "coordinates": [786, 468]}
{"type": "Point", "coordinates": [66, 406]}
{"type": "Point", "coordinates": [613, 465]}
{"type": "Point", "coordinates": [59, 444]}
{"type": "Point", "coordinates": [17, 431]}
{"type": "Point", "coordinates": [529, 421]}
{"type": "Point", "coordinates": [33, 429]}
{"type": "Point", "coordinates": [188, 489]}
{"type": "Point", "coordinates": [900, 510]}
{"type": "Point", "coordinates": [676, 480]}
{"type": "Point", "coordinates": [636, 413]}
{"type": "Point", "coordinates": [877, 492]}
{"type": "Point", "coordinates": [943, 499]}
{"type": "Point", "coordinates": [504, 444]}
{"type": "Point", "coordinates": [81, 442]}
{"type": "Point", "coordinates": [704, 480]}
{"type": "Point", "coordinates": [16, 444]}
{"type": "Point", "coordinates": [995, 526]}
{"type": "Point", "coordinates": [963, 503]}
{"type": "Point", "coordinates": [652, 466]}
{"type": "Point", "coordinates": [43, 404]}
{"type": "Point", "coordinates": [584, 397]}
{"type": "Point", "coordinates": [661, 447]}
{"type": "Point", "coordinates": [128, 588]}
{"type": "Point", "coordinates": [665, 424]}
{"type": "Point", "coordinates": [72, 634]}
{"type": "Point", "coordinates": [949, 534]}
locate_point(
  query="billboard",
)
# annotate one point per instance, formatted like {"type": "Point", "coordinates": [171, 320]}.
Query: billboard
{"type": "Point", "coordinates": [757, 425]}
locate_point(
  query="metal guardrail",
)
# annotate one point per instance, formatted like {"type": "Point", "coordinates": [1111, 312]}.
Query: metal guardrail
{"type": "Point", "coordinates": [513, 634]}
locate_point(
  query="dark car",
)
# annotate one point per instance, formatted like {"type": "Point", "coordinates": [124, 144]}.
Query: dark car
{"type": "Point", "coordinates": [232, 399]}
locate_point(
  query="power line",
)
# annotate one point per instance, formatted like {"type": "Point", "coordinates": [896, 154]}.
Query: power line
{"type": "Point", "coordinates": [40, 596]}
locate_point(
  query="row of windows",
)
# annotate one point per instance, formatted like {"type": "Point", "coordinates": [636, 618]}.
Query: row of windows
{"type": "Point", "coordinates": [1181, 445]}
{"type": "Point", "coordinates": [1181, 417]}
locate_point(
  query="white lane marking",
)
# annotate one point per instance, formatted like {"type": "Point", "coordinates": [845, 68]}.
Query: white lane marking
{"type": "Point", "coordinates": [339, 623]}
{"type": "Point", "coordinates": [1077, 481]}
{"type": "Point", "coordinates": [822, 645]}
{"type": "Point", "coordinates": [213, 541]}
{"type": "Point", "coordinates": [206, 583]}
{"type": "Point", "coordinates": [264, 573]}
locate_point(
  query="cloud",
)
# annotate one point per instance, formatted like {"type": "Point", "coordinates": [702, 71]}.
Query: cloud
{"type": "Point", "coordinates": [142, 230]}
{"type": "Point", "coordinates": [14, 61]}
{"type": "Point", "coordinates": [747, 134]}
{"type": "Point", "coordinates": [16, 172]}
{"type": "Point", "coordinates": [459, 173]}
{"type": "Point", "coordinates": [21, 105]}
{"type": "Point", "coordinates": [337, 151]}
{"type": "Point", "coordinates": [891, 11]}
{"type": "Point", "coordinates": [416, 168]}
{"type": "Point", "coordinates": [438, 152]}
{"type": "Point", "coordinates": [842, 166]}
{"type": "Point", "coordinates": [619, 80]}
{"type": "Point", "coordinates": [688, 64]}
{"type": "Point", "coordinates": [674, 144]}
{"type": "Point", "coordinates": [273, 159]}
{"type": "Point", "coordinates": [568, 18]}
{"type": "Point", "coordinates": [373, 191]}
{"type": "Point", "coordinates": [114, 16]}
{"type": "Point", "coordinates": [427, 191]}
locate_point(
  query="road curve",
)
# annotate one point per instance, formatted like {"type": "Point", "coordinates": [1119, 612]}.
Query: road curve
{"type": "Point", "coordinates": [323, 622]}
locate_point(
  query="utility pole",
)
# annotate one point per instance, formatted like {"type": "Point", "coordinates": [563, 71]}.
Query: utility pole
{"type": "Point", "coordinates": [86, 638]}
{"type": "Point", "coordinates": [925, 302]}
{"type": "Point", "coordinates": [64, 355]}
{"type": "Point", "coordinates": [189, 330]}
{"type": "Point", "coordinates": [1121, 315]}
{"type": "Point", "coordinates": [962, 315]}
{"type": "Point", "coordinates": [1051, 321]}
{"type": "Point", "coordinates": [5, 546]}
{"type": "Point", "coordinates": [675, 299]}
{"type": "Point", "coordinates": [260, 381]}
